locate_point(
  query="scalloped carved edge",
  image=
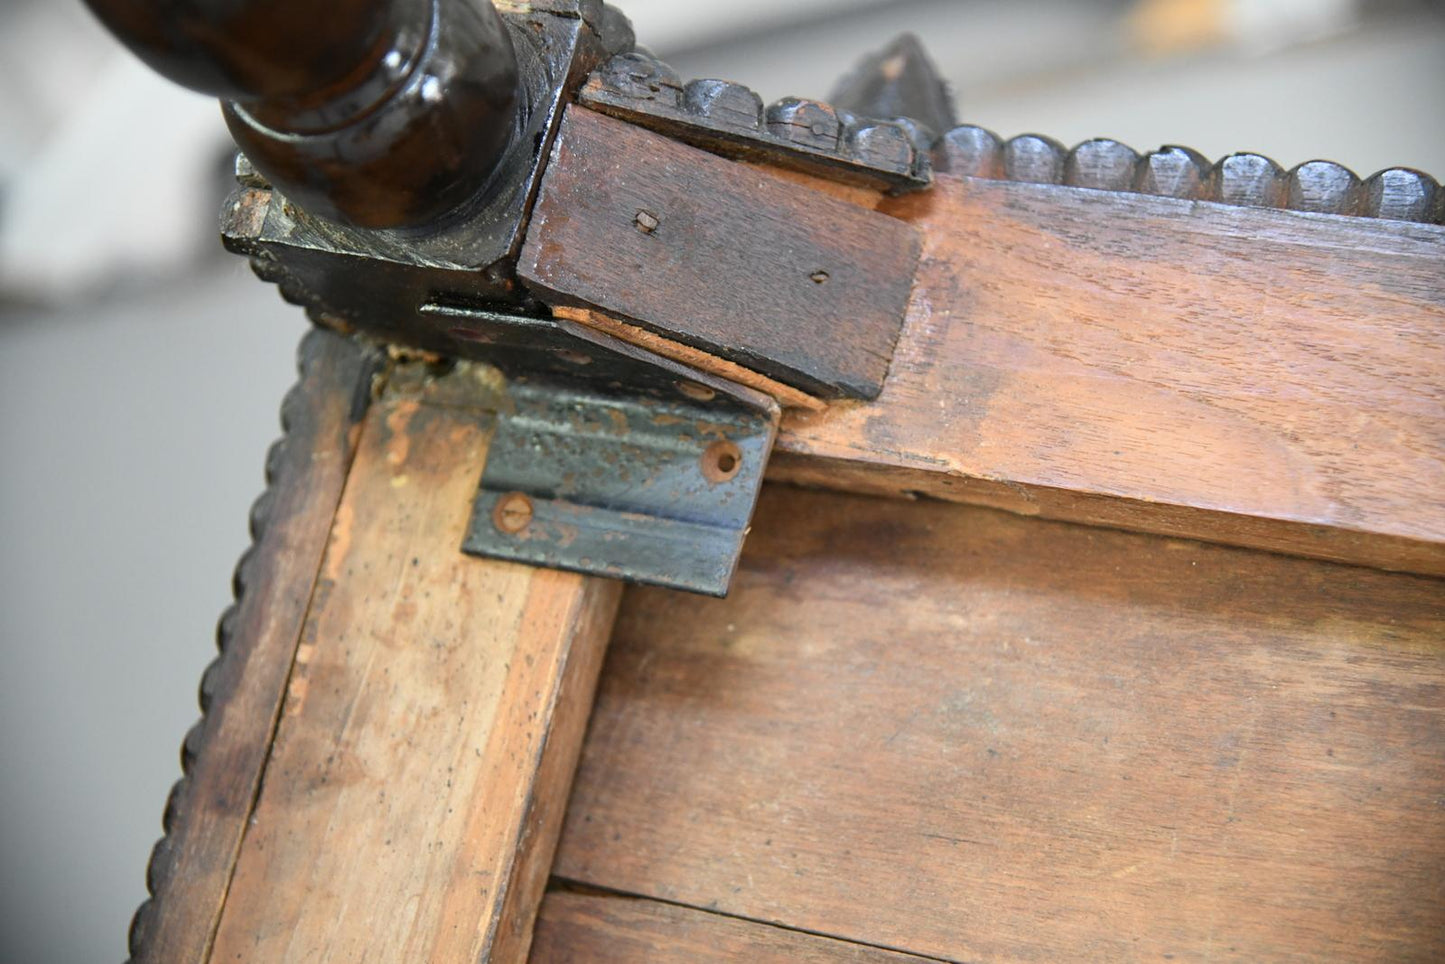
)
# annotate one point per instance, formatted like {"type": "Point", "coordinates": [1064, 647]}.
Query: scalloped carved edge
{"type": "Point", "coordinates": [899, 155]}
{"type": "Point", "coordinates": [161, 866]}
{"type": "Point", "coordinates": [1244, 179]}
{"type": "Point", "coordinates": [730, 119]}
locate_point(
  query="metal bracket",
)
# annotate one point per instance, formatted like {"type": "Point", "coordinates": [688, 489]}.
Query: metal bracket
{"type": "Point", "coordinates": [611, 461]}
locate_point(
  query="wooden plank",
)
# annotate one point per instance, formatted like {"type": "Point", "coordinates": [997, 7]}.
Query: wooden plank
{"type": "Point", "coordinates": [206, 815]}
{"type": "Point", "coordinates": [967, 735]}
{"type": "Point", "coordinates": [608, 929]}
{"type": "Point", "coordinates": [721, 256]}
{"type": "Point", "coordinates": [785, 396]}
{"type": "Point", "coordinates": [431, 725]}
{"type": "Point", "coordinates": [1264, 378]}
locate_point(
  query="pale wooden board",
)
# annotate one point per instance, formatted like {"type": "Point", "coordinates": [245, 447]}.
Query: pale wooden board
{"type": "Point", "coordinates": [959, 733]}
{"type": "Point", "coordinates": [1256, 377]}
{"type": "Point", "coordinates": [206, 816]}
{"type": "Point", "coordinates": [429, 734]}
{"type": "Point", "coordinates": [611, 929]}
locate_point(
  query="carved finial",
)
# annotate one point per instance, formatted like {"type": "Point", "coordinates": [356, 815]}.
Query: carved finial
{"type": "Point", "coordinates": [898, 81]}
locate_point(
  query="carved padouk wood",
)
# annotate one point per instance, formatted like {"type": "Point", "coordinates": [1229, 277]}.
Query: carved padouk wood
{"type": "Point", "coordinates": [430, 726]}
{"type": "Point", "coordinates": [1264, 378]}
{"type": "Point", "coordinates": [961, 734]}
{"type": "Point", "coordinates": [242, 691]}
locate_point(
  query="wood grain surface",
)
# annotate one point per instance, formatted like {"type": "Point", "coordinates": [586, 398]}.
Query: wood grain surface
{"type": "Point", "coordinates": [1264, 378]}
{"type": "Point", "coordinates": [431, 724]}
{"type": "Point", "coordinates": [612, 929]}
{"type": "Point", "coordinates": [962, 734]}
{"type": "Point", "coordinates": [784, 395]}
{"type": "Point", "coordinates": [224, 754]}
{"type": "Point", "coordinates": [719, 255]}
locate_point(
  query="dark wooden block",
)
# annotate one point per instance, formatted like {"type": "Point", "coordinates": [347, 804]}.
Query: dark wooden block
{"type": "Point", "coordinates": [791, 282]}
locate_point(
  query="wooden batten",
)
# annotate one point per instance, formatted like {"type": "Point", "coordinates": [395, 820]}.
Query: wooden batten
{"type": "Point", "coordinates": [241, 693]}
{"type": "Point", "coordinates": [1263, 378]}
{"type": "Point", "coordinates": [430, 727]}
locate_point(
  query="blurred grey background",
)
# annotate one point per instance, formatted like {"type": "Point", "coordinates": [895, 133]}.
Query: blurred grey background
{"type": "Point", "coordinates": [141, 369]}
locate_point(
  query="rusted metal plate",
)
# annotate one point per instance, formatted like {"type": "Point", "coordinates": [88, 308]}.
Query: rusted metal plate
{"type": "Point", "coordinates": [773, 275]}
{"type": "Point", "coordinates": [610, 461]}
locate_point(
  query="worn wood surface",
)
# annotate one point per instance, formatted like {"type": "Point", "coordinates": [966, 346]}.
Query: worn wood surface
{"type": "Point", "coordinates": [611, 929]}
{"type": "Point", "coordinates": [241, 693]}
{"type": "Point", "coordinates": [1264, 378]}
{"type": "Point", "coordinates": [430, 727]}
{"type": "Point", "coordinates": [962, 734]}
{"type": "Point", "coordinates": [786, 396]}
{"type": "Point", "coordinates": [808, 136]}
{"type": "Point", "coordinates": [1244, 179]}
{"type": "Point", "coordinates": [797, 285]}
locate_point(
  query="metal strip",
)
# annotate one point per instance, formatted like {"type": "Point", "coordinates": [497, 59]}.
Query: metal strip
{"type": "Point", "coordinates": [620, 463]}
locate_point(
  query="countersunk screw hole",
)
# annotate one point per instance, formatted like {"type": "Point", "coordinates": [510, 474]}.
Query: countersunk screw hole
{"type": "Point", "coordinates": [820, 277]}
{"type": "Point", "coordinates": [513, 513]}
{"type": "Point", "coordinates": [722, 462]}
{"type": "Point", "coordinates": [696, 392]}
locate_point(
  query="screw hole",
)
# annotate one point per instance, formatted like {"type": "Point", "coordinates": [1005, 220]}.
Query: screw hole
{"type": "Point", "coordinates": [820, 277]}
{"type": "Point", "coordinates": [722, 462]}
{"type": "Point", "coordinates": [513, 513]}
{"type": "Point", "coordinates": [696, 392]}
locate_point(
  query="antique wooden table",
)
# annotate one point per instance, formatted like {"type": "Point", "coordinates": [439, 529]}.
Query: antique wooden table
{"type": "Point", "coordinates": [1091, 610]}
